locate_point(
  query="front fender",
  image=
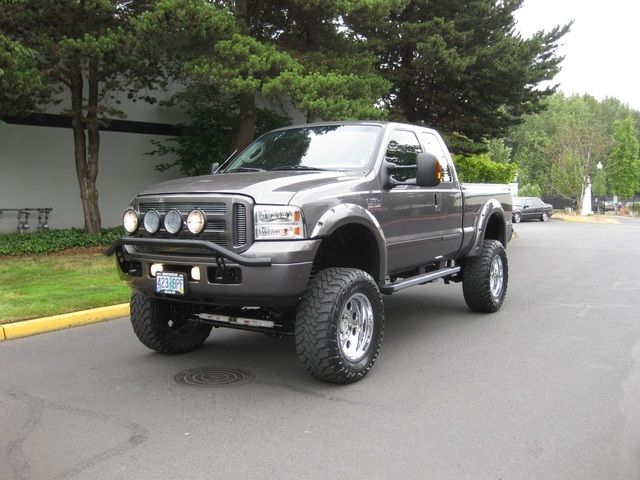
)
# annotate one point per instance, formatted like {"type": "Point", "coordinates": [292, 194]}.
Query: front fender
{"type": "Point", "coordinates": [349, 214]}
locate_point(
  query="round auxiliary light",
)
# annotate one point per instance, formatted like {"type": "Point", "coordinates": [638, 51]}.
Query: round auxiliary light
{"type": "Point", "coordinates": [196, 221]}
{"type": "Point", "coordinates": [151, 221]}
{"type": "Point", "coordinates": [156, 268]}
{"type": "Point", "coordinates": [130, 221]}
{"type": "Point", "coordinates": [173, 221]}
{"type": "Point", "coordinates": [195, 273]}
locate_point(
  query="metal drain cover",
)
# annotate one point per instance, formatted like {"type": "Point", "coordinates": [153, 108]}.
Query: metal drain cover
{"type": "Point", "coordinates": [214, 376]}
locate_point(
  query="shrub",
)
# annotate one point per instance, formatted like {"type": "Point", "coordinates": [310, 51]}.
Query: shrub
{"type": "Point", "coordinates": [481, 169]}
{"type": "Point", "coordinates": [50, 241]}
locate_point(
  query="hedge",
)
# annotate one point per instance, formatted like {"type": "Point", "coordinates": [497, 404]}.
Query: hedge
{"type": "Point", "coordinates": [51, 241]}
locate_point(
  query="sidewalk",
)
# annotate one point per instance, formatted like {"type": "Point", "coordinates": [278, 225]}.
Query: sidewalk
{"type": "Point", "coordinates": [27, 328]}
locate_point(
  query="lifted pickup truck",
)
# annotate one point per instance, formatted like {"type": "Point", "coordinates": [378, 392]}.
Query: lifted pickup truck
{"type": "Point", "coordinates": [302, 233]}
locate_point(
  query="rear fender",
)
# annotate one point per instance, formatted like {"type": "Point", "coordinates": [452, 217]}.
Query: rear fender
{"type": "Point", "coordinates": [491, 224]}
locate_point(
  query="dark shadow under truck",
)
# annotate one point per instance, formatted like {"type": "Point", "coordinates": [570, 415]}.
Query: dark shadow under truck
{"type": "Point", "coordinates": [302, 233]}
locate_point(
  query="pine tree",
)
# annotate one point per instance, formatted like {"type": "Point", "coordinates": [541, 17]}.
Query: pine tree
{"type": "Point", "coordinates": [88, 51]}
{"type": "Point", "coordinates": [21, 84]}
{"type": "Point", "coordinates": [460, 66]}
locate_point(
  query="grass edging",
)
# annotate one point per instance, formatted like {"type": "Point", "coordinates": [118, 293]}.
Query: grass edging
{"type": "Point", "coordinates": [565, 217]}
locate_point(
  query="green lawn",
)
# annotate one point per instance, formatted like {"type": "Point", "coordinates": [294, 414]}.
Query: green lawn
{"type": "Point", "coordinates": [44, 285]}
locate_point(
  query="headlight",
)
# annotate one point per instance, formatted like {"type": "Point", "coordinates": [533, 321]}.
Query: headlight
{"type": "Point", "coordinates": [196, 221]}
{"type": "Point", "coordinates": [173, 221]}
{"type": "Point", "coordinates": [151, 221]}
{"type": "Point", "coordinates": [273, 222]}
{"type": "Point", "coordinates": [130, 221]}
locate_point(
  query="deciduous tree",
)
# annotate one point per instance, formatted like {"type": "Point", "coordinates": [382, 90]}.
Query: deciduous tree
{"type": "Point", "coordinates": [559, 148]}
{"type": "Point", "coordinates": [623, 168]}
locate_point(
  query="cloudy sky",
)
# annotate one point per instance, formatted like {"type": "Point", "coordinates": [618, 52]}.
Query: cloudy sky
{"type": "Point", "coordinates": [601, 51]}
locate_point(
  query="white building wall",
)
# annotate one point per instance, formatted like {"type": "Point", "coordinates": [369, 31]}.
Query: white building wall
{"type": "Point", "coordinates": [37, 169]}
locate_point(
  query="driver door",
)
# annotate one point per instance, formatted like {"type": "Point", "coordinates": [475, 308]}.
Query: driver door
{"type": "Point", "coordinates": [410, 214]}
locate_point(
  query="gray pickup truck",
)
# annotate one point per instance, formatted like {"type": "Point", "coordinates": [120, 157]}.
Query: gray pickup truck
{"type": "Point", "coordinates": [302, 233]}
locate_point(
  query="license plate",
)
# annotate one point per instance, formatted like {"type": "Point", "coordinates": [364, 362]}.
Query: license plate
{"type": "Point", "coordinates": [168, 282]}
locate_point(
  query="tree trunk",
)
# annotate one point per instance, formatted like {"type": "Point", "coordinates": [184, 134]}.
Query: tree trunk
{"type": "Point", "coordinates": [247, 121]}
{"type": "Point", "coordinates": [86, 165]}
{"type": "Point", "coordinates": [247, 99]}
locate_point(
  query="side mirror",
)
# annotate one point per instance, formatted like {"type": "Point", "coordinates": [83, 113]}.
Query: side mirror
{"type": "Point", "coordinates": [429, 170]}
{"type": "Point", "coordinates": [215, 166]}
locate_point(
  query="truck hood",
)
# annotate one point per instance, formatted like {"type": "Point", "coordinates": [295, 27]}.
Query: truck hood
{"type": "Point", "coordinates": [264, 187]}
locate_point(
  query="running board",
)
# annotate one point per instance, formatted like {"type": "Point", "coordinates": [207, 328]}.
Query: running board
{"type": "Point", "coordinates": [390, 288]}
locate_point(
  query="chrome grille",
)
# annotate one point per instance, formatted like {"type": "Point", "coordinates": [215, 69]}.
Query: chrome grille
{"type": "Point", "coordinates": [217, 226]}
{"type": "Point", "coordinates": [219, 240]}
{"type": "Point", "coordinates": [240, 213]}
{"type": "Point", "coordinates": [228, 219]}
{"type": "Point", "coordinates": [207, 208]}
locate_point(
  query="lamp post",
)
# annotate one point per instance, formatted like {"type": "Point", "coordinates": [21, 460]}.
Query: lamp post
{"type": "Point", "coordinates": [599, 167]}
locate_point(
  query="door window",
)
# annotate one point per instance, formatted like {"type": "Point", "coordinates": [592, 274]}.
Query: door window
{"type": "Point", "coordinates": [434, 147]}
{"type": "Point", "coordinates": [402, 150]}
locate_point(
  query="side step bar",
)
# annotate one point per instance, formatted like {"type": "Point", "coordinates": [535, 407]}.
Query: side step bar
{"type": "Point", "coordinates": [390, 288]}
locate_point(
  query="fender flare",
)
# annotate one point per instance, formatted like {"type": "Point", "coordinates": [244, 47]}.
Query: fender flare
{"type": "Point", "coordinates": [350, 213]}
{"type": "Point", "coordinates": [490, 209]}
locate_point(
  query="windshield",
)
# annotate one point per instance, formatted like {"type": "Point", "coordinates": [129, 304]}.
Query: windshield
{"type": "Point", "coordinates": [333, 147]}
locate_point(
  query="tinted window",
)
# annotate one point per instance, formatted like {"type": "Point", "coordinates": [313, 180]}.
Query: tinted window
{"type": "Point", "coordinates": [332, 147]}
{"type": "Point", "coordinates": [402, 150]}
{"type": "Point", "coordinates": [433, 146]}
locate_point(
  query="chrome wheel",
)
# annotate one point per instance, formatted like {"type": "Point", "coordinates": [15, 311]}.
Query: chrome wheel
{"type": "Point", "coordinates": [356, 327]}
{"type": "Point", "coordinates": [485, 278]}
{"type": "Point", "coordinates": [496, 277]}
{"type": "Point", "coordinates": [340, 325]}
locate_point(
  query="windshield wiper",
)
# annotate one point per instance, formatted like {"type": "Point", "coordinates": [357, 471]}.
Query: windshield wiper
{"type": "Point", "coordinates": [246, 169]}
{"type": "Point", "coordinates": [299, 167]}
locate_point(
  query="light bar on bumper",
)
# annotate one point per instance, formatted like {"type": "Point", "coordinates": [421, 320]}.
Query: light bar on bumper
{"type": "Point", "coordinates": [188, 243]}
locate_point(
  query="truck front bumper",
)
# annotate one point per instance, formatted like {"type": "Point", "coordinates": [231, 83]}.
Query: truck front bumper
{"type": "Point", "coordinates": [268, 274]}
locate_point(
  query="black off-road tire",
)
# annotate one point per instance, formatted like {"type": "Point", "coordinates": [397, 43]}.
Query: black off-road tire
{"type": "Point", "coordinates": [340, 325]}
{"type": "Point", "coordinates": [485, 278]}
{"type": "Point", "coordinates": [159, 326]}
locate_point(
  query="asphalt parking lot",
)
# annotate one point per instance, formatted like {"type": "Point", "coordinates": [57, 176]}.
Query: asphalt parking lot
{"type": "Point", "coordinates": [546, 388]}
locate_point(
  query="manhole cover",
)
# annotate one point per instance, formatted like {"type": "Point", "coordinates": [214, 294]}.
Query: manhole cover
{"type": "Point", "coordinates": [214, 376]}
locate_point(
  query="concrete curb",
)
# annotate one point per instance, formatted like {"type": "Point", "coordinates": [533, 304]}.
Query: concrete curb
{"type": "Point", "coordinates": [27, 328]}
